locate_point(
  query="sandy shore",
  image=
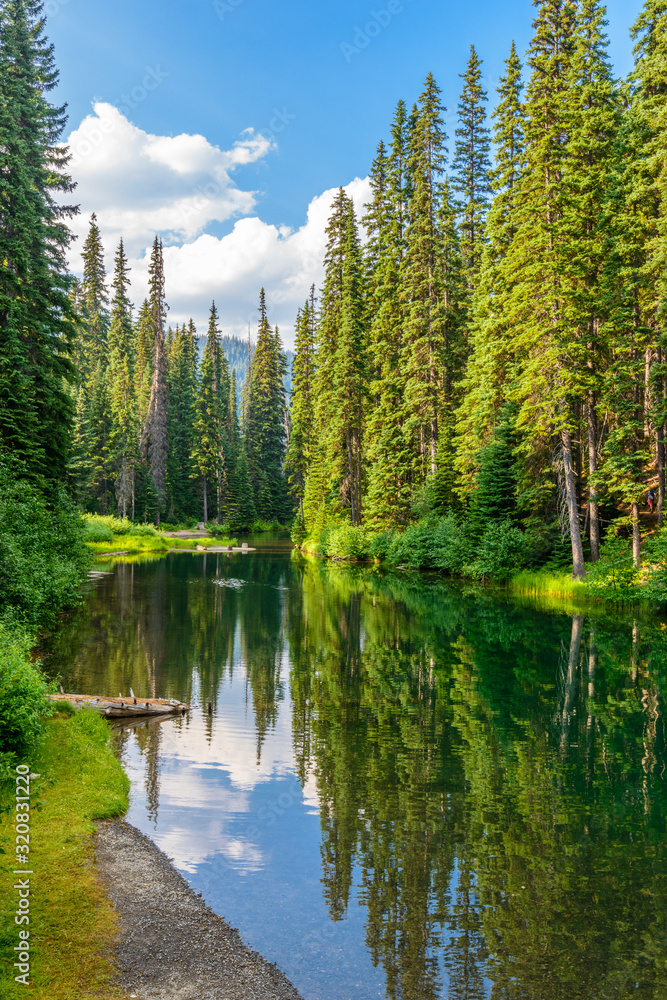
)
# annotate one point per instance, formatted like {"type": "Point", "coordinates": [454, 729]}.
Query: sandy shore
{"type": "Point", "coordinates": [172, 946]}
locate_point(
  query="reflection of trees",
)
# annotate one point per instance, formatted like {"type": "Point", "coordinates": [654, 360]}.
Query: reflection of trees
{"type": "Point", "coordinates": [491, 777]}
{"type": "Point", "coordinates": [504, 805]}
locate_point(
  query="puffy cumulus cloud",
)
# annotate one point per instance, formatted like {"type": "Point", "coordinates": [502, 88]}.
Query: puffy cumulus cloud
{"type": "Point", "coordinates": [232, 269]}
{"type": "Point", "coordinates": [140, 184]}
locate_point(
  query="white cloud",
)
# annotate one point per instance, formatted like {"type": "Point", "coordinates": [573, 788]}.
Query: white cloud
{"type": "Point", "coordinates": [139, 184]}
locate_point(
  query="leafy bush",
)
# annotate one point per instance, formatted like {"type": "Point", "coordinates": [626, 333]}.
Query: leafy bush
{"type": "Point", "coordinates": [95, 530]}
{"type": "Point", "coordinates": [415, 546]}
{"type": "Point", "coordinates": [656, 572]}
{"type": "Point", "coordinates": [346, 541]}
{"type": "Point", "coordinates": [99, 528]}
{"type": "Point", "coordinates": [43, 557]}
{"type": "Point", "coordinates": [452, 544]}
{"type": "Point", "coordinates": [439, 543]}
{"type": "Point", "coordinates": [23, 689]}
{"type": "Point", "coordinates": [142, 531]}
{"type": "Point", "coordinates": [614, 577]}
{"type": "Point", "coordinates": [500, 553]}
{"type": "Point", "coordinates": [379, 544]}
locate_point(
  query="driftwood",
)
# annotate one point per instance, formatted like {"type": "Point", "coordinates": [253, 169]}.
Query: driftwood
{"type": "Point", "coordinates": [116, 708]}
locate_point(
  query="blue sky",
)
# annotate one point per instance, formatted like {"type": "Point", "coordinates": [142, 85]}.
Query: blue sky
{"type": "Point", "coordinates": [316, 82]}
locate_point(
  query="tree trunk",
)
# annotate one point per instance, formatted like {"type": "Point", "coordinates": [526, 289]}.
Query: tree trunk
{"type": "Point", "coordinates": [205, 503]}
{"type": "Point", "coordinates": [636, 536]}
{"type": "Point", "coordinates": [578, 568]}
{"type": "Point", "coordinates": [661, 471]}
{"type": "Point", "coordinates": [661, 449]}
{"type": "Point", "coordinates": [350, 470]}
{"type": "Point", "coordinates": [594, 514]}
{"type": "Point", "coordinates": [572, 678]}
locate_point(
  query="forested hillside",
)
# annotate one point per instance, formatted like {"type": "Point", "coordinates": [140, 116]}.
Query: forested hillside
{"type": "Point", "coordinates": [488, 344]}
{"type": "Point", "coordinates": [239, 354]}
{"type": "Point", "coordinates": [490, 335]}
{"type": "Point", "coordinates": [164, 427]}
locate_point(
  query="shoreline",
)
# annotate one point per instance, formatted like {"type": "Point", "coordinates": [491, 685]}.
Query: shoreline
{"type": "Point", "coordinates": [172, 945]}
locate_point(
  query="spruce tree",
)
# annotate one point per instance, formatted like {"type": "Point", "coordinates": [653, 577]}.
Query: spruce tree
{"type": "Point", "coordinates": [335, 481]}
{"type": "Point", "coordinates": [472, 167]}
{"type": "Point", "coordinates": [551, 381]}
{"type": "Point", "coordinates": [182, 393]}
{"type": "Point", "coordinates": [124, 426]}
{"type": "Point", "coordinates": [154, 440]}
{"type": "Point", "coordinates": [321, 503]}
{"type": "Point", "coordinates": [489, 365]}
{"type": "Point", "coordinates": [264, 427]}
{"type": "Point", "coordinates": [208, 429]}
{"type": "Point", "coordinates": [93, 298]}
{"type": "Point", "coordinates": [143, 359]}
{"type": "Point", "coordinates": [37, 326]}
{"type": "Point", "coordinates": [591, 148]}
{"type": "Point", "coordinates": [299, 450]}
{"type": "Point", "coordinates": [388, 489]}
{"type": "Point", "coordinates": [495, 496]}
{"type": "Point", "coordinates": [422, 294]}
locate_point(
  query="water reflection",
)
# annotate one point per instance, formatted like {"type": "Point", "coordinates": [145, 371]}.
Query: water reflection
{"type": "Point", "coordinates": [396, 789]}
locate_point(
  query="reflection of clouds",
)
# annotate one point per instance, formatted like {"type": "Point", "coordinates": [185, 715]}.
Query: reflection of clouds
{"type": "Point", "coordinates": [208, 773]}
{"type": "Point", "coordinates": [191, 846]}
{"type": "Point", "coordinates": [311, 796]}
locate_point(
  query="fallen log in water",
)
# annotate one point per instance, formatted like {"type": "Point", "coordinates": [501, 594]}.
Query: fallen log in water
{"type": "Point", "coordinates": [116, 708]}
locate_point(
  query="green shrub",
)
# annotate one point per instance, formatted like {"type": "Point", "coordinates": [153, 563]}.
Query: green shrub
{"type": "Point", "coordinates": [104, 528]}
{"type": "Point", "coordinates": [23, 690]}
{"type": "Point", "coordinates": [346, 541]}
{"type": "Point", "coordinates": [142, 531]}
{"type": "Point", "coordinates": [452, 544]}
{"type": "Point", "coordinates": [414, 547]}
{"type": "Point", "coordinates": [43, 557]}
{"type": "Point", "coordinates": [379, 544]}
{"type": "Point", "coordinates": [501, 552]}
{"type": "Point", "coordinates": [614, 577]}
{"type": "Point", "coordinates": [95, 530]}
{"type": "Point", "coordinates": [656, 568]}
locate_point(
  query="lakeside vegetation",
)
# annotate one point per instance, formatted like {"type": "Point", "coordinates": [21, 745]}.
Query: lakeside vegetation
{"type": "Point", "coordinates": [73, 923]}
{"type": "Point", "coordinates": [489, 341]}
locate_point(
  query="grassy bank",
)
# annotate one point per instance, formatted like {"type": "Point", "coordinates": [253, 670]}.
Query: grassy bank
{"type": "Point", "coordinates": [72, 922]}
{"type": "Point", "coordinates": [157, 544]}
{"type": "Point", "coordinates": [113, 534]}
{"type": "Point", "coordinates": [542, 583]}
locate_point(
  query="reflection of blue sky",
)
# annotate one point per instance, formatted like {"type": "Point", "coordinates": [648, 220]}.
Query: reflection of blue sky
{"type": "Point", "coordinates": [247, 836]}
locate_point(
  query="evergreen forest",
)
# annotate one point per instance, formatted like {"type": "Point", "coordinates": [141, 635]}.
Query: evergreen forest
{"type": "Point", "coordinates": [485, 358]}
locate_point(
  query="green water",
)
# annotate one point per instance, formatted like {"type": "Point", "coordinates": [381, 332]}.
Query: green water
{"type": "Point", "coordinates": [400, 790]}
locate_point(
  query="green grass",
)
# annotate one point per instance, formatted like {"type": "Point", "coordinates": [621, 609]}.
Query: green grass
{"type": "Point", "coordinates": [154, 543]}
{"type": "Point", "coordinates": [538, 583]}
{"type": "Point", "coordinates": [72, 921]}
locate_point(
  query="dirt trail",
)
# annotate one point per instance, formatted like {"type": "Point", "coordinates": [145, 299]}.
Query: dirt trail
{"type": "Point", "coordinates": [172, 946]}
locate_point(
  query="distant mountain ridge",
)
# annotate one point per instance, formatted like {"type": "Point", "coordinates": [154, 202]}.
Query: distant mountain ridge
{"type": "Point", "coordinates": [239, 353]}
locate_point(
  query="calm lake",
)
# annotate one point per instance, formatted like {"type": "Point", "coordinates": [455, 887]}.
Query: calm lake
{"type": "Point", "coordinates": [394, 787]}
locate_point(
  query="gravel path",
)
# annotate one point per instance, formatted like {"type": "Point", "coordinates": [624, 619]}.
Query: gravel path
{"type": "Point", "coordinates": [173, 947]}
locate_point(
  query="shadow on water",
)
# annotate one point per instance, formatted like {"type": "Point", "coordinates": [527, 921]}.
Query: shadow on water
{"type": "Point", "coordinates": [393, 788]}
